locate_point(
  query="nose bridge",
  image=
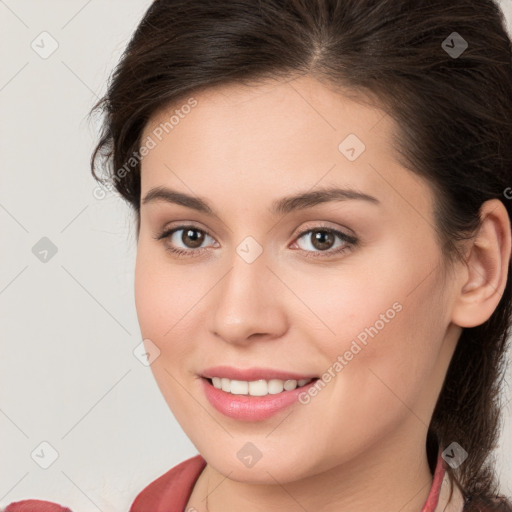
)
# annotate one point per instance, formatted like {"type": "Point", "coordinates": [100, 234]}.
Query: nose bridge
{"type": "Point", "coordinates": [246, 303]}
{"type": "Point", "coordinates": [246, 285]}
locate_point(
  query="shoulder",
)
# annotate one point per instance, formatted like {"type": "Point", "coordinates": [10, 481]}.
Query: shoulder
{"type": "Point", "coordinates": [487, 504]}
{"type": "Point", "coordinates": [35, 506]}
{"type": "Point", "coordinates": [172, 489]}
{"type": "Point", "coordinates": [169, 492]}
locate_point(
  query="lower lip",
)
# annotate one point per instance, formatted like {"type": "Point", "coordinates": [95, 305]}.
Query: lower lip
{"type": "Point", "coordinates": [251, 408]}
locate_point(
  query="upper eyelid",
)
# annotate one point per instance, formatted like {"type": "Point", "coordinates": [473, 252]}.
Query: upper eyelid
{"type": "Point", "coordinates": [314, 225]}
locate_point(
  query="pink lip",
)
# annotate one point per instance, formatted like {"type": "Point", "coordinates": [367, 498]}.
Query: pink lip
{"type": "Point", "coordinates": [251, 408]}
{"type": "Point", "coordinates": [250, 374]}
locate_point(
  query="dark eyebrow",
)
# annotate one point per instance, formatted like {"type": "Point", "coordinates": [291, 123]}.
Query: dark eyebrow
{"type": "Point", "coordinates": [279, 207]}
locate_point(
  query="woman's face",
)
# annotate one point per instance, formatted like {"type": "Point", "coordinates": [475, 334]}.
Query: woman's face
{"type": "Point", "coordinates": [268, 290]}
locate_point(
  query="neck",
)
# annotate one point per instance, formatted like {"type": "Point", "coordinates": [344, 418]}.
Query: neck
{"type": "Point", "coordinates": [377, 480]}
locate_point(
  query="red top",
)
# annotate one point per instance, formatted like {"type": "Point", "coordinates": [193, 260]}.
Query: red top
{"type": "Point", "coordinates": [171, 491]}
{"type": "Point", "coordinates": [35, 506]}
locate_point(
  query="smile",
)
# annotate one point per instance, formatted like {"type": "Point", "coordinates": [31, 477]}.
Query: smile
{"type": "Point", "coordinates": [259, 387]}
{"type": "Point", "coordinates": [253, 394]}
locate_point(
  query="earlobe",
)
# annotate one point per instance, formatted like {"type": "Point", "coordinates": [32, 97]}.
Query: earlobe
{"type": "Point", "coordinates": [486, 268]}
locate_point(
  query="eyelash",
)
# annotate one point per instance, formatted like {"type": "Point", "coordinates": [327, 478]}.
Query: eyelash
{"type": "Point", "coordinates": [350, 242]}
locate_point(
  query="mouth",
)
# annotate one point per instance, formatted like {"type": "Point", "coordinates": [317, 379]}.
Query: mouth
{"type": "Point", "coordinates": [253, 394]}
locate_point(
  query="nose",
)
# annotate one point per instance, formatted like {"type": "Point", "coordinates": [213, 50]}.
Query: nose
{"type": "Point", "coordinates": [248, 303]}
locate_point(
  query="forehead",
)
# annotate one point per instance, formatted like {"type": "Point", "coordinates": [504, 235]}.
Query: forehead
{"type": "Point", "coordinates": [273, 105]}
{"type": "Point", "coordinates": [275, 137]}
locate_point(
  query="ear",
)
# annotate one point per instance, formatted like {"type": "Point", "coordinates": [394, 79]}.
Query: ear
{"type": "Point", "coordinates": [484, 275]}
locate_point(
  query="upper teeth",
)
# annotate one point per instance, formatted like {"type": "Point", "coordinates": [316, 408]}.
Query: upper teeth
{"type": "Point", "coordinates": [257, 387]}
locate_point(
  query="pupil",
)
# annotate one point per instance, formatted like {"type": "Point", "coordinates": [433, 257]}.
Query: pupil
{"type": "Point", "coordinates": [321, 237]}
{"type": "Point", "coordinates": [196, 240]}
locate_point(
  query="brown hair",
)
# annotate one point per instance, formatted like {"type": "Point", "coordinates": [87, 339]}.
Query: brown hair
{"type": "Point", "coordinates": [453, 113]}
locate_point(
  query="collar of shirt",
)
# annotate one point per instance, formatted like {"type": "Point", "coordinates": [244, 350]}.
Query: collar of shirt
{"type": "Point", "coordinates": [438, 498]}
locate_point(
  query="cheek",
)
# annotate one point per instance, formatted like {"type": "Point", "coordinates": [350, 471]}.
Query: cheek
{"type": "Point", "coordinates": [392, 374]}
{"type": "Point", "coordinates": [386, 335]}
{"type": "Point", "coordinates": [168, 303]}
{"type": "Point", "coordinates": [156, 296]}
{"type": "Point", "coordinates": [159, 290]}
{"type": "Point", "coordinates": [160, 309]}
{"type": "Point", "coordinates": [149, 295]}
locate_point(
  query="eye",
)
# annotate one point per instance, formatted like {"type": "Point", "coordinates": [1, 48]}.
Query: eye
{"type": "Point", "coordinates": [323, 240]}
{"type": "Point", "coordinates": [192, 238]}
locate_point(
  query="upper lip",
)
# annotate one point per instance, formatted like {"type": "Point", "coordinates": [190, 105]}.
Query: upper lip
{"type": "Point", "coordinates": [251, 374]}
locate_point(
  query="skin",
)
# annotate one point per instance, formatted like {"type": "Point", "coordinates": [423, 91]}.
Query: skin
{"type": "Point", "coordinates": [239, 149]}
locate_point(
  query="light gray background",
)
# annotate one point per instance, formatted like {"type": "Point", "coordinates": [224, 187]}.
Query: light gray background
{"type": "Point", "coordinates": [68, 375]}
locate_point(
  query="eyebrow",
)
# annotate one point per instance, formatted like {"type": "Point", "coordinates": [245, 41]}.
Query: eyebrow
{"type": "Point", "coordinates": [280, 206]}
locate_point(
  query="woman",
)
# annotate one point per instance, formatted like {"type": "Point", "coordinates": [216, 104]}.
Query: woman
{"type": "Point", "coordinates": [322, 203]}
